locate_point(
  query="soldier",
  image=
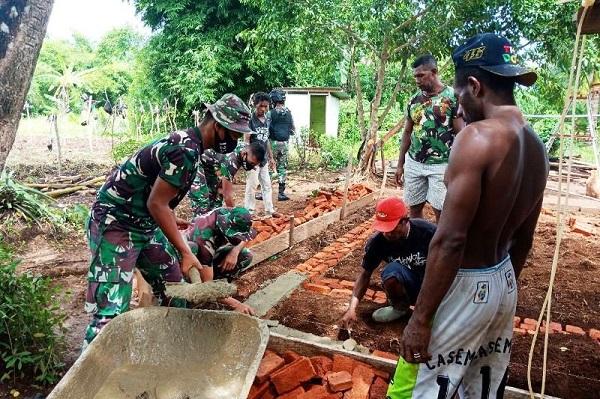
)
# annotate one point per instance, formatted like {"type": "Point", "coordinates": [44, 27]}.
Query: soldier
{"type": "Point", "coordinates": [280, 130]}
{"type": "Point", "coordinates": [213, 181]}
{"type": "Point", "coordinates": [218, 240]}
{"type": "Point", "coordinates": [431, 124]}
{"type": "Point", "coordinates": [137, 199]}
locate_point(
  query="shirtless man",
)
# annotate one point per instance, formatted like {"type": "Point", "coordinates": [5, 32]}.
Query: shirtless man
{"type": "Point", "coordinates": [459, 336]}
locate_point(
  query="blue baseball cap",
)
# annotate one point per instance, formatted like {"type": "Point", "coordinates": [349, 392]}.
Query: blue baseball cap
{"type": "Point", "coordinates": [495, 54]}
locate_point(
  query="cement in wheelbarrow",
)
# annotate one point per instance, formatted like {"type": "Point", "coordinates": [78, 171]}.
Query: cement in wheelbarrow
{"type": "Point", "coordinates": [168, 353]}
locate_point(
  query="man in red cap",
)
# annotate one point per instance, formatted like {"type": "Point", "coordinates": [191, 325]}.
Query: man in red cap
{"type": "Point", "coordinates": [402, 243]}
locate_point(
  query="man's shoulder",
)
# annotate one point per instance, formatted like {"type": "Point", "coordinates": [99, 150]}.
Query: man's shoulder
{"type": "Point", "coordinates": [423, 225]}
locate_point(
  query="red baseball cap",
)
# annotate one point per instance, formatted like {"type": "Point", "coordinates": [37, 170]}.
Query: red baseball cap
{"type": "Point", "coordinates": [388, 213]}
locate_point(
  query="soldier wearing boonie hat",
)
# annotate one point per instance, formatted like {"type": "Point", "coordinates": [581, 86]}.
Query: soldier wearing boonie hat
{"type": "Point", "coordinates": [218, 239]}
{"type": "Point", "coordinates": [224, 123]}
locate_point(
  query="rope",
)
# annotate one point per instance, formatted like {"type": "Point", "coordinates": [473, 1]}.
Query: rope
{"type": "Point", "coordinates": [547, 305]}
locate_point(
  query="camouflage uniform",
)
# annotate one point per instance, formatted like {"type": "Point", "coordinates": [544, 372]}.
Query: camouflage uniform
{"type": "Point", "coordinates": [213, 235]}
{"type": "Point", "coordinates": [430, 142]}
{"type": "Point", "coordinates": [121, 232]}
{"type": "Point", "coordinates": [204, 194]}
{"type": "Point", "coordinates": [280, 130]}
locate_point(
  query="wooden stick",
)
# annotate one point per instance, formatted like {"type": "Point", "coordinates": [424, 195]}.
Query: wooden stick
{"type": "Point", "coordinates": [384, 170]}
{"type": "Point", "coordinates": [292, 225]}
{"type": "Point", "coordinates": [346, 185]}
{"type": "Point", "coordinates": [64, 191]}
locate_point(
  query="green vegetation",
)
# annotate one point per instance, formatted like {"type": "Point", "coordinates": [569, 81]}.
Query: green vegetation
{"type": "Point", "coordinates": [31, 337]}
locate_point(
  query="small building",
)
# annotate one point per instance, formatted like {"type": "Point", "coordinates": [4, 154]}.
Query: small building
{"type": "Point", "coordinates": [315, 108]}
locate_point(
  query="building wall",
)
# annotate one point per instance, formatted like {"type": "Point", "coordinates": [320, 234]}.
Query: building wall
{"type": "Point", "coordinates": [299, 104]}
{"type": "Point", "coordinates": [333, 116]}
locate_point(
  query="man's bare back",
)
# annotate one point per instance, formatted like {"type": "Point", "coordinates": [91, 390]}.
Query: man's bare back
{"type": "Point", "coordinates": [514, 168]}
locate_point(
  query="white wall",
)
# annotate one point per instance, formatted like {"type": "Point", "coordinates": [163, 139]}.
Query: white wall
{"type": "Point", "coordinates": [332, 116]}
{"type": "Point", "coordinates": [299, 104]}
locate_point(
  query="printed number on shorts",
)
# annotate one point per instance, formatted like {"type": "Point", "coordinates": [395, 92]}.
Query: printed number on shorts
{"type": "Point", "coordinates": [444, 382]}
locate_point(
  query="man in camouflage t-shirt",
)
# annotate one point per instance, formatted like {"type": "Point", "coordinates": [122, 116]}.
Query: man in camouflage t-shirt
{"type": "Point", "coordinates": [218, 239]}
{"type": "Point", "coordinates": [214, 176]}
{"type": "Point", "coordinates": [431, 124]}
{"type": "Point", "coordinates": [132, 222]}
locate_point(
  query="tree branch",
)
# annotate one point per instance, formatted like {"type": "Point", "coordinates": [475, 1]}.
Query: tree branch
{"type": "Point", "coordinates": [395, 92]}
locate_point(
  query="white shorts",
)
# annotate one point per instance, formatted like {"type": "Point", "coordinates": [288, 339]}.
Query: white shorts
{"type": "Point", "coordinates": [471, 340]}
{"type": "Point", "coordinates": [423, 182]}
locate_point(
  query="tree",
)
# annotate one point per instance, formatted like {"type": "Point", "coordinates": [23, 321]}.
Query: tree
{"type": "Point", "coordinates": [381, 37]}
{"type": "Point", "coordinates": [24, 24]}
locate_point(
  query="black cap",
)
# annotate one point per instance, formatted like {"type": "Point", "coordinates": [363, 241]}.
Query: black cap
{"type": "Point", "coordinates": [495, 54]}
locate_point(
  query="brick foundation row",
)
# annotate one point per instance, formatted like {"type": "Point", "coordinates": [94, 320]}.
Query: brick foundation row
{"type": "Point", "coordinates": [292, 376]}
{"type": "Point", "coordinates": [528, 326]}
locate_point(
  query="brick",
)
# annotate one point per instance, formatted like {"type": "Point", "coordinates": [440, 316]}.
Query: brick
{"type": "Point", "coordinates": [321, 289]}
{"type": "Point", "coordinates": [583, 229]}
{"type": "Point", "coordinates": [369, 294]}
{"type": "Point", "coordinates": [362, 377]}
{"type": "Point", "coordinates": [380, 300]}
{"type": "Point", "coordinates": [516, 321]}
{"type": "Point", "coordinates": [554, 326]}
{"type": "Point", "coordinates": [342, 363]}
{"type": "Point", "coordinates": [258, 390]}
{"type": "Point", "coordinates": [290, 356]}
{"type": "Point", "coordinates": [292, 375]}
{"type": "Point", "coordinates": [385, 355]}
{"type": "Point", "coordinates": [595, 334]}
{"type": "Point", "coordinates": [384, 375]}
{"type": "Point", "coordinates": [519, 331]}
{"type": "Point", "coordinates": [268, 364]}
{"type": "Point", "coordinates": [292, 394]}
{"type": "Point", "coordinates": [574, 330]}
{"type": "Point", "coordinates": [315, 392]}
{"type": "Point", "coordinates": [528, 327]}
{"type": "Point", "coordinates": [340, 293]}
{"type": "Point", "coordinates": [327, 281]}
{"type": "Point", "coordinates": [331, 262]}
{"type": "Point", "coordinates": [269, 395]}
{"type": "Point", "coordinates": [380, 294]}
{"type": "Point", "coordinates": [530, 321]}
{"type": "Point", "coordinates": [336, 286]}
{"type": "Point", "coordinates": [378, 389]}
{"type": "Point", "coordinates": [322, 365]}
{"type": "Point", "coordinates": [347, 284]}
{"type": "Point", "coordinates": [339, 381]}
{"type": "Point", "coordinates": [337, 395]}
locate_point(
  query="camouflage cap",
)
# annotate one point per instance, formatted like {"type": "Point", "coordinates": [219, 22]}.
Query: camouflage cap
{"type": "Point", "coordinates": [231, 112]}
{"type": "Point", "coordinates": [236, 223]}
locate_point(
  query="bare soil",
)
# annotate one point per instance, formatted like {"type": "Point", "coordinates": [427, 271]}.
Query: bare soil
{"type": "Point", "coordinates": [573, 361]}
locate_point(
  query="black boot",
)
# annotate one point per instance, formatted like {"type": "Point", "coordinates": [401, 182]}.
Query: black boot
{"type": "Point", "coordinates": [282, 196]}
{"type": "Point", "coordinates": [258, 196]}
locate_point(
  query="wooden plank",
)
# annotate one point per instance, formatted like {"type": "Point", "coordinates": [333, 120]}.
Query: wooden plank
{"type": "Point", "coordinates": [346, 185]}
{"type": "Point", "coordinates": [315, 226]}
{"type": "Point", "coordinates": [360, 203]}
{"type": "Point", "coordinates": [280, 343]}
{"type": "Point", "coordinates": [270, 247]}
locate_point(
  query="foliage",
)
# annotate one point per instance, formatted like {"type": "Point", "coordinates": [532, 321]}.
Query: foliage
{"type": "Point", "coordinates": [30, 325]}
{"type": "Point", "coordinates": [129, 146]}
{"type": "Point", "coordinates": [31, 205]}
{"type": "Point", "coordinates": [335, 152]}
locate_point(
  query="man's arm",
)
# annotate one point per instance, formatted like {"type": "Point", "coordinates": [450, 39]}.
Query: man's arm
{"type": "Point", "coordinates": [158, 206]}
{"type": "Point", "coordinates": [406, 133]}
{"type": "Point", "coordinates": [358, 292]}
{"type": "Point", "coordinates": [231, 259]}
{"type": "Point", "coordinates": [523, 239]}
{"type": "Point", "coordinates": [466, 167]}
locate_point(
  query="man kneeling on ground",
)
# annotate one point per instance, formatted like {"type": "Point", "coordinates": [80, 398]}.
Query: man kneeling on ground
{"type": "Point", "coordinates": [403, 244]}
{"type": "Point", "coordinates": [218, 239]}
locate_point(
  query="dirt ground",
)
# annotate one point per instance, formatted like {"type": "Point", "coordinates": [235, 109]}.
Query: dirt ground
{"type": "Point", "coordinates": [574, 362]}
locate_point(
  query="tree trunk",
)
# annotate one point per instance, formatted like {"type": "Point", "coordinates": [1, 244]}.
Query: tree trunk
{"type": "Point", "coordinates": [369, 142]}
{"type": "Point", "coordinates": [23, 25]}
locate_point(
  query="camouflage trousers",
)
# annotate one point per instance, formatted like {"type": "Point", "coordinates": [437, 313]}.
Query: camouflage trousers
{"type": "Point", "coordinates": [115, 251]}
{"type": "Point", "coordinates": [280, 155]}
{"type": "Point", "coordinates": [204, 194]}
{"type": "Point", "coordinates": [208, 256]}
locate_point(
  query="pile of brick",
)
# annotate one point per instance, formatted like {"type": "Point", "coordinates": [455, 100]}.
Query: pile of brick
{"type": "Point", "coordinates": [528, 326]}
{"type": "Point", "coordinates": [292, 376]}
{"type": "Point", "coordinates": [342, 289]}
{"type": "Point", "coordinates": [325, 201]}
{"type": "Point", "coordinates": [332, 254]}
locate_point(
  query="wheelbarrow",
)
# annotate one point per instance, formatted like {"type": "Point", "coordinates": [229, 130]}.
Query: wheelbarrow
{"type": "Point", "coordinates": [169, 353]}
